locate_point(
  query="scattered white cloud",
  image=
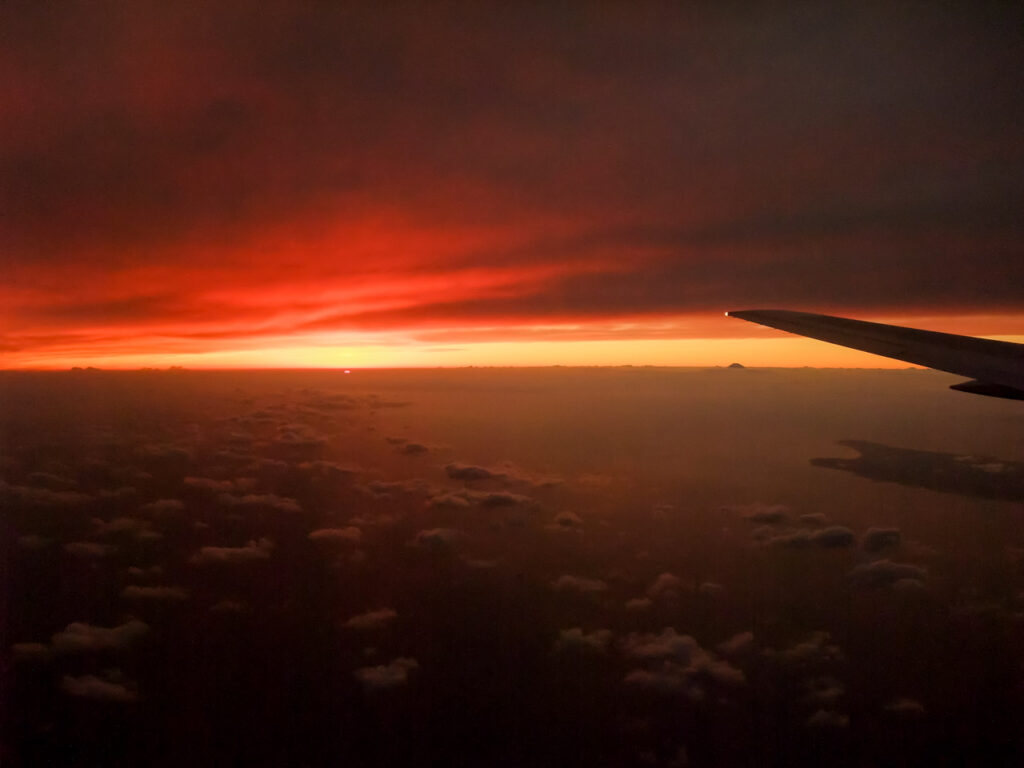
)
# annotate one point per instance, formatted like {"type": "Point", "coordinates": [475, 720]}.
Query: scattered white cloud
{"type": "Point", "coordinates": [668, 678]}
{"type": "Point", "coordinates": [386, 676]}
{"type": "Point", "coordinates": [349, 533]}
{"type": "Point", "coordinates": [827, 718]}
{"type": "Point", "coordinates": [883, 573]}
{"type": "Point", "coordinates": [567, 583]}
{"type": "Point", "coordinates": [118, 525]}
{"type": "Point", "coordinates": [261, 501]}
{"type": "Point", "coordinates": [710, 589]}
{"type": "Point", "coordinates": [576, 638]}
{"type": "Point", "coordinates": [639, 604]}
{"type": "Point", "coordinates": [486, 499]}
{"type": "Point", "coordinates": [817, 650]}
{"type": "Point", "coordinates": [88, 549]}
{"type": "Point", "coordinates": [152, 572]}
{"type": "Point", "coordinates": [469, 472]}
{"type": "Point", "coordinates": [229, 606]}
{"type": "Point", "coordinates": [97, 689]}
{"type": "Point", "coordinates": [79, 637]}
{"type": "Point", "coordinates": [833, 536]}
{"type": "Point", "coordinates": [824, 691]}
{"type": "Point", "coordinates": [877, 539]}
{"type": "Point", "coordinates": [909, 587]}
{"type": "Point", "coordinates": [438, 539]}
{"type": "Point", "coordinates": [41, 497]}
{"type": "Point", "coordinates": [253, 550]}
{"type": "Point", "coordinates": [905, 707]}
{"type": "Point", "coordinates": [740, 644]}
{"type": "Point", "coordinates": [163, 507]}
{"type": "Point", "coordinates": [327, 470]}
{"type": "Point", "coordinates": [171, 594]}
{"type": "Point", "coordinates": [208, 485]}
{"type": "Point", "coordinates": [372, 619]}
{"type": "Point", "coordinates": [668, 586]}
{"type": "Point", "coordinates": [667, 644]}
{"type": "Point", "coordinates": [766, 514]}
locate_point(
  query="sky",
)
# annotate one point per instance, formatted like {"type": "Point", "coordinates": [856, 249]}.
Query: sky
{"type": "Point", "coordinates": [429, 184]}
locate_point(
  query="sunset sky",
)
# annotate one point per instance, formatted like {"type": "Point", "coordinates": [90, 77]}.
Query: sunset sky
{"type": "Point", "coordinates": [233, 184]}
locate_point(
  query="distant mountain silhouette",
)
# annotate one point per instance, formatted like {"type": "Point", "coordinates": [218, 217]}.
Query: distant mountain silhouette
{"type": "Point", "coordinates": [983, 477]}
{"type": "Point", "coordinates": [737, 365]}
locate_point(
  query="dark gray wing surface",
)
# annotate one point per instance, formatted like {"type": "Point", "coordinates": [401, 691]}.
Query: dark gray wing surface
{"type": "Point", "coordinates": [996, 368]}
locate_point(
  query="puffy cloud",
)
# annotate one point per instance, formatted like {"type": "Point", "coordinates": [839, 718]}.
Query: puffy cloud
{"type": "Point", "coordinates": [908, 587]}
{"type": "Point", "coordinates": [42, 497]}
{"type": "Point", "coordinates": [739, 644]}
{"type": "Point", "coordinates": [98, 689]}
{"type": "Point", "coordinates": [800, 539]}
{"type": "Point", "coordinates": [658, 646]}
{"type": "Point", "coordinates": [478, 564]}
{"type": "Point", "coordinates": [486, 499]}
{"type": "Point", "coordinates": [164, 454]}
{"type": "Point", "coordinates": [438, 539]}
{"type": "Point", "coordinates": [905, 707]}
{"type": "Point", "coordinates": [413, 449]}
{"type": "Point", "coordinates": [568, 520]}
{"type": "Point", "coordinates": [79, 637]}
{"type": "Point", "coordinates": [639, 604]}
{"type": "Point", "coordinates": [825, 691]}
{"type": "Point", "coordinates": [668, 678]}
{"type": "Point", "coordinates": [172, 594]}
{"type": "Point", "coordinates": [208, 485]}
{"type": "Point", "coordinates": [372, 619]}
{"type": "Point", "coordinates": [813, 518]}
{"type": "Point", "coordinates": [833, 536]}
{"type": "Point", "coordinates": [253, 550]}
{"type": "Point", "coordinates": [826, 718]}
{"type": "Point", "coordinates": [877, 539]}
{"type": "Point", "coordinates": [469, 472]}
{"type": "Point", "coordinates": [815, 651]}
{"type": "Point", "coordinates": [567, 583]}
{"type": "Point", "coordinates": [765, 514]}
{"type": "Point", "coordinates": [152, 572]}
{"type": "Point", "coordinates": [391, 488]}
{"type": "Point", "coordinates": [51, 481]}
{"type": "Point", "coordinates": [298, 437]}
{"type": "Point", "coordinates": [229, 606]}
{"type": "Point", "coordinates": [575, 638]}
{"type": "Point", "coordinates": [120, 525]}
{"type": "Point", "coordinates": [88, 549]}
{"type": "Point", "coordinates": [386, 676]}
{"type": "Point", "coordinates": [506, 473]}
{"type": "Point", "coordinates": [261, 501]}
{"type": "Point", "coordinates": [163, 507]}
{"type": "Point", "coordinates": [676, 664]}
{"type": "Point", "coordinates": [883, 573]}
{"type": "Point", "coordinates": [381, 520]}
{"type": "Point", "coordinates": [349, 533]}
{"type": "Point", "coordinates": [667, 586]}
{"type": "Point", "coordinates": [327, 470]}
{"type": "Point", "coordinates": [710, 589]}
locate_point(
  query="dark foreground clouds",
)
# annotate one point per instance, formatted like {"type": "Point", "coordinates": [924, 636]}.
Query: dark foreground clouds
{"type": "Point", "coordinates": [207, 172]}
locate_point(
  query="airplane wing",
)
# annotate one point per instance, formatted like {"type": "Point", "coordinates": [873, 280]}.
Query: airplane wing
{"type": "Point", "coordinates": [996, 368]}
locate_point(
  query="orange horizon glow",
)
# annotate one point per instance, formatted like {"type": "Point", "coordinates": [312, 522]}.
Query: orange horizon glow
{"type": "Point", "coordinates": [752, 346]}
{"type": "Point", "coordinates": [364, 187]}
